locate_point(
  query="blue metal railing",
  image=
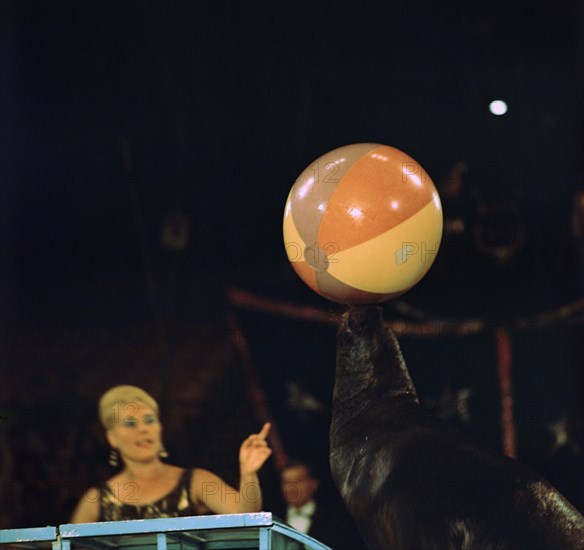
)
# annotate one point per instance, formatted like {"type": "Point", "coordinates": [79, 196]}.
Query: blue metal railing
{"type": "Point", "coordinates": [260, 531]}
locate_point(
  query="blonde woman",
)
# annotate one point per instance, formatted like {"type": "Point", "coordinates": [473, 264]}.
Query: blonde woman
{"type": "Point", "coordinates": [146, 487]}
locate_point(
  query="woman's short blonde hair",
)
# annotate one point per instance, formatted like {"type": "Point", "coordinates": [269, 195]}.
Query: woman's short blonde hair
{"type": "Point", "coordinates": [113, 405]}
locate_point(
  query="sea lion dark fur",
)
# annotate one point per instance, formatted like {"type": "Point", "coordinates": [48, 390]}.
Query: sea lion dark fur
{"type": "Point", "coordinates": [414, 483]}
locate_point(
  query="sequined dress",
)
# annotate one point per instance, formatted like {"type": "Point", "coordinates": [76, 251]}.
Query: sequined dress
{"type": "Point", "coordinates": [177, 503]}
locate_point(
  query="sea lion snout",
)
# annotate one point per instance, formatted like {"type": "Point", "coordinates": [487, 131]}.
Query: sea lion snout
{"type": "Point", "coordinates": [362, 319]}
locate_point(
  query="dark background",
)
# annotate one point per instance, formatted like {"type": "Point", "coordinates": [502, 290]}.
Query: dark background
{"type": "Point", "coordinates": [120, 120]}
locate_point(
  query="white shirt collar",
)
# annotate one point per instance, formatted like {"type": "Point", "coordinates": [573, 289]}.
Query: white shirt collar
{"type": "Point", "coordinates": [306, 510]}
{"type": "Point", "coordinates": [301, 518]}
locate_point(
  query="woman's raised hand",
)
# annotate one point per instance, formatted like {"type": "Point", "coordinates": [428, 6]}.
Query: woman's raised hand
{"type": "Point", "coordinates": [254, 451]}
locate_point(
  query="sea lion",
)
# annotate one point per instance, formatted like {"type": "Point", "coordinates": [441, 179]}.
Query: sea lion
{"type": "Point", "coordinates": [413, 482]}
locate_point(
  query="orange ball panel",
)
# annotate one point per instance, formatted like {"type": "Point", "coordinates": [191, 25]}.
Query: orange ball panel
{"type": "Point", "coordinates": [313, 189]}
{"type": "Point", "coordinates": [376, 194]}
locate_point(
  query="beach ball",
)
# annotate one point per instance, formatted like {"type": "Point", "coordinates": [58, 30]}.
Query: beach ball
{"type": "Point", "coordinates": [362, 224]}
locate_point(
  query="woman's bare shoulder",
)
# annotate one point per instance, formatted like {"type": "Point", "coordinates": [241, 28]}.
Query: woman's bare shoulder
{"type": "Point", "coordinates": [87, 509]}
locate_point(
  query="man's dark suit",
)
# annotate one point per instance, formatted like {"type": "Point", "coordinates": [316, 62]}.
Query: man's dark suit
{"type": "Point", "coordinates": [332, 525]}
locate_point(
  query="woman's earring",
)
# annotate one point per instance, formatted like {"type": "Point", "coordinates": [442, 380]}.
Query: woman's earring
{"type": "Point", "coordinates": [113, 457]}
{"type": "Point", "coordinates": [163, 453]}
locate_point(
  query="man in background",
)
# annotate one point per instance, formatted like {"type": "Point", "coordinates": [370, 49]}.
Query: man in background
{"type": "Point", "coordinates": [326, 520]}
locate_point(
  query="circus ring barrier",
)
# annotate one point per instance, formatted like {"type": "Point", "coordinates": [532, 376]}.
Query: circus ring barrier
{"type": "Point", "coordinates": [430, 327]}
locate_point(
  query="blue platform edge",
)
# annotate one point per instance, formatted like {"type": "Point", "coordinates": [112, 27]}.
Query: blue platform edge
{"type": "Point", "coordinates": [165, 525]}
{"type": "Point", "coordinates": [30, 534]}
{"type": "Point", "coordinates": [156, 525]}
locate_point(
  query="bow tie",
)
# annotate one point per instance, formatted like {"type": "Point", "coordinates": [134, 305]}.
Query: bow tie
{"type": "Point", "coordinates": [306, 511]}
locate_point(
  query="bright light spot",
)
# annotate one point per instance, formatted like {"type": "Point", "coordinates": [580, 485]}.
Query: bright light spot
{"type": "Point", "coordinates": [378, 156]}
{"type": "Point", "coordinates": [437, 201]}
{"type": "Point", "coordinates": [288, 209]}
{"type": "Point", "coordinates": [305, 188]}
{"type": "Point", "coordinates": [410, 173]}
{"type": "Point", "coordinates": [498, 107]}
{"type": "Point", "coordinates": [415, 179]}
{"type": "Point", "coordinates": [394, 205]}
{"type": "Point", "coordinates": [355, 212]}
{"type": "Point", "coordinates": [334, 163]}
{"type": "Point", "coordinates": [321, 206]}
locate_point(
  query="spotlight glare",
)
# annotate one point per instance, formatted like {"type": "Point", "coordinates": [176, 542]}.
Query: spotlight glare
{"type": "Point", "coordinates": [498, 107]}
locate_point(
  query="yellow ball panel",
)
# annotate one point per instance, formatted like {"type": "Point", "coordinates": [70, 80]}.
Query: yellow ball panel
{"type": "Point", "coordinates": [395, 260]}
{"type": "Point", "coordinates": [292, 240]}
